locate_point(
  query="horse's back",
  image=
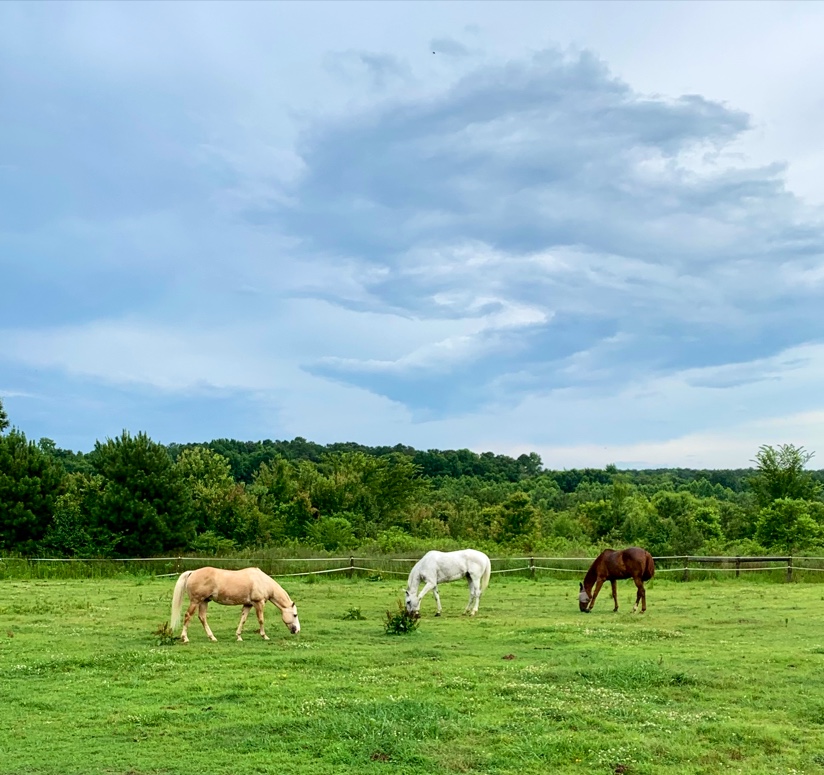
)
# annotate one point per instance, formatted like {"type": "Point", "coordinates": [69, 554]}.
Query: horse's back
{"type": "Point", "coordinates": [449, 566]}
{"type": "Point", "coordinates": [638, 562]}
{"type": "Point", "coordinates": [626, 563]}
{"type": "Point", "coordinates": [232, 587]}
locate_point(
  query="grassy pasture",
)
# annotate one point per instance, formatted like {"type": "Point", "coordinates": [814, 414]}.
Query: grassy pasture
{"type": "Point", "coordinates": [715, 677]}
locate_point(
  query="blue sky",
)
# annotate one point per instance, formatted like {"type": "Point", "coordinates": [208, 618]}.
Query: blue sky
{"type": "Point", "coordinates": [590, 230]}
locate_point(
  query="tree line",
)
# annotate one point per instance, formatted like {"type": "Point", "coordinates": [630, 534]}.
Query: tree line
{"type": "Point", "coordinates": [133, 497]}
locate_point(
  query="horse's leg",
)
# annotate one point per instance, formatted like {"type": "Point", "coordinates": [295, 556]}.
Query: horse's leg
{"type": "Point", "coordinates": [201, 614]}
{"type": "Point", "coordinates": [474, 598]}
{"type": "Point", "coordinates": [259, 606]}
{"type": "Point", "coordinates": [426, 587]}
{"type": "Point", "coordinates": [189, 613]}
{"type": "Point", "coordinates": [243, 616]}
{"type": "Point", "coordinates": [598, 585]}
{"type": "Point", "coordinates": [640, 596]}
{"type": "Point", "coordinates": [437, 600]}
{"type": "Point", "coordinates": [477, 590]}
{"type": "Point", "coordinates": [614, 593]}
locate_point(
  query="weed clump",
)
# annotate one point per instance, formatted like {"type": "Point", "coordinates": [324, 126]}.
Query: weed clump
{"type": "Point", "coordinates": [353, 614]}
{"type": "Point", "coordinates": [401, 622]}
{"type": "Point", "coordinates": [164, 635]}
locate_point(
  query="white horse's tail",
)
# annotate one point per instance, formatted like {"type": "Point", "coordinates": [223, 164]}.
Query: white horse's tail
{"type": "Point", "coordinates": [485, 574]}
{"type": "Point", "coordinates": [177, 599]}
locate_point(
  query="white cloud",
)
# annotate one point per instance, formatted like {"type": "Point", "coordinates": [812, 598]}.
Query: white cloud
{"type": "Point", "coordinates": [539, 248]}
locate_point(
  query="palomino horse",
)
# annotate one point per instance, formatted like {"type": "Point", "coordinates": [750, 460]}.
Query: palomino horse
{"type": "Point", "coordinates": [249, 587]}
{"type": "Point", "coordinates": [434, 567]}
{"type": "Point", "coordinates": [633, 563]}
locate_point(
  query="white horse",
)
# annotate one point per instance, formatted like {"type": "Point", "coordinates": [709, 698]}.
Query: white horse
{"type": "Point", "coordinates": [434, 567]}
{"type": "Point", "coordinates": [249, 587]}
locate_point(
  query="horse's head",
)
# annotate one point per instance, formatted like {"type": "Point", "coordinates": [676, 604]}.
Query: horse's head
{"type": "Point", "coordinates": [583, 599]}
{"type": "Point", "coordinates": [413, 603]}
{"type": "Point", "coordinates": [289, 614]}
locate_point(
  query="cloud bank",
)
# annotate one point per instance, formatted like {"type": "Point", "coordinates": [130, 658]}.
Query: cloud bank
{"type": "Point", "coordinates": [512, 253]}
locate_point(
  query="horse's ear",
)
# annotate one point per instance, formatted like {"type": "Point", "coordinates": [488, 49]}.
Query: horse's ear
{"type": "Point", "coordinates": [580, 586]}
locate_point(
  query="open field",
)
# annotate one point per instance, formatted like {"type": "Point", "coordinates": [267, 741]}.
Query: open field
{"type": "Point", "coordinates": [715, 677]}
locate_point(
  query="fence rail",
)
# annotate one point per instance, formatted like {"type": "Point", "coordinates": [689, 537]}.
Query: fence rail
{"type": "Point", "coordinates": [680, 567]}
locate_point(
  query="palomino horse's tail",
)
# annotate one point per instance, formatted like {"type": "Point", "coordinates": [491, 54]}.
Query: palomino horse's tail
{"type": "Point", "coordinates": [177, 599]}
{"type": "Point", "coordinates": [485, 575]}
{"type": "Point", "coordinates": [649, 568]}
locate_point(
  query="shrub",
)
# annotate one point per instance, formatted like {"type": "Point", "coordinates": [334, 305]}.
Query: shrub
{"type": "Point", "coordinates": [212, 544]}
{"type": "Point", "coordinates": [401, 622]}
{"type": "Point", "coordinates": [164, 635]}
{"type": "Point", "coordinates": [331, 533]}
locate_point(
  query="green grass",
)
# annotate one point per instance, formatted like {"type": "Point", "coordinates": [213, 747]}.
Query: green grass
{"type": "Point", "coordinates": [715, 677]}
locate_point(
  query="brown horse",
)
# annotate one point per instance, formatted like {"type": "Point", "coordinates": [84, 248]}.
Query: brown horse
{"type": "Point", "coordinates": [633, 563]}
{"type": "Point", "coordinates": [249, 587]}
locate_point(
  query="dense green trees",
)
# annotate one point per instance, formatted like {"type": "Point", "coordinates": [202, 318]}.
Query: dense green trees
{"type": "Point", "coordinates": [144, 506]}
{"type": "Point", "coordinates": [30, 484]}
{"type": "Point", "coordinates": [788, 524]}
{"type": "Point", "coordinates": [780, 474]}
{"type": "Point", "coordinates": [132, 496]}
{"type": "Point", "coordinates": [220, 506]}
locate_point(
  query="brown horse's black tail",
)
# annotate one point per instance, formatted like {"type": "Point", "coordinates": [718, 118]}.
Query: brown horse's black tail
{"type": "Point", "coordinates": [649, 568]}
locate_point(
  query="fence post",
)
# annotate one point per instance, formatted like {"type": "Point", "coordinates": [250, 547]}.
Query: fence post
{"type": "Point", "coordinates": [789, 569]}
{"type": "Point", "coordinates": [737, 567]}
{"type": "Point", "coordinates": [351, 567]}
{"type": "Point", "coordinates": [687, 568]}
{"type": "Point", "coordinates": [532, 567]}
{"type": "Point", "coordinates": [177, 565]}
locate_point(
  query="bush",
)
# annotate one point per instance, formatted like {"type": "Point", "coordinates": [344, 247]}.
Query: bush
{"type": "Point", "coordinates": [331, 533]}
{"type": "Point", "coordinates": [401, 622]}
{"type": "Point", "coordinates": [212, 544]}
{"type": "Point", "coordinates": [164, 635]}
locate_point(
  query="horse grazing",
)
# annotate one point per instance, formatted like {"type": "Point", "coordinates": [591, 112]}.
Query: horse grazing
{"type": "Point", "coordinates": [249, 587]}
{"type": "Point", "coordinates": [434, 567]}
{"type": "Point", "coordinates": [634, 563]}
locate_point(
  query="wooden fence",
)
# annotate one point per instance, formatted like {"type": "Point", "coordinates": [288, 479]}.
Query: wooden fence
{"type": "Point", "coordinates": [679, 567]}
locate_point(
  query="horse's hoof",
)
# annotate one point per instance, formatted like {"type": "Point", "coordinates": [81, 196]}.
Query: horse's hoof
{"type": "Point", "coordinates": [265, 637]}
{"type": "Point", "coordinates": [438, 614]}
{"type": "Point", "coordinates": [240, 640]}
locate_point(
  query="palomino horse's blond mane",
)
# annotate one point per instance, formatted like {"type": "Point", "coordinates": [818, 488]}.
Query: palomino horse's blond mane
{"type": "Point", "coordinates": [249, 587]}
